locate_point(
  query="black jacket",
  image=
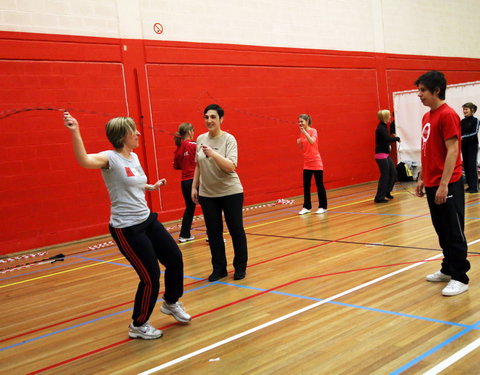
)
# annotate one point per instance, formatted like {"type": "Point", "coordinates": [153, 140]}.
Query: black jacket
{"type": "Point", "coordinates": [383, 139]}
{"type": "Point", "coordinates": [469, 130]}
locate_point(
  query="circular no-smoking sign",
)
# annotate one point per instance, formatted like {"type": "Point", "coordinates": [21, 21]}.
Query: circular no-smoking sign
{"type": "Point", "coordinates": [158, 28]}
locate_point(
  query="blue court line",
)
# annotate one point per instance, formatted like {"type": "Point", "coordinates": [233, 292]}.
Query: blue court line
{"type": "Point", "coordinates": [468, 328]}
{"type": "Point", "coordinates": [130, 266]}
{"type": "Point", "coordinates": [352, 306]}
{"type": "Point", "coordinates": [435, 349]}
{"type": "Point", "coordinates": [82, 324]}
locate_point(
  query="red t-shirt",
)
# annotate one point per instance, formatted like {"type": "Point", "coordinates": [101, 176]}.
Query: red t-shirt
{"type": "Point", "coordinates": [438, 126]}
{"type": "Point", "coordinates": [184, 159]}
{"type": "Point", "coordinates": [311, 156]}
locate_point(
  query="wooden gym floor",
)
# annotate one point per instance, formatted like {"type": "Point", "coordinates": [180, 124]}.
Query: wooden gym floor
{"type": "Point", "coordinates": [338, 293]}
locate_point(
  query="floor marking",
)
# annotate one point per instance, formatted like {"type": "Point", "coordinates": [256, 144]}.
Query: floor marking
{"type": "Point", "coordinates": [58, 273]}
{"type": "Point", "coordinates": [282, 318]}
{"type": "Point", "coordinates": [437, 347]}
{"type": "Point", "coordinates": [276, 221]}
{"type": "Point", "coordinates": [262, 292]}
{"type": "Point", "coordinates": [272, 259]}
{"type": "Point", "coordinates": [454, 358]}
{"type": "Point", "coordinates": [471, 243]}
{"type": "Point", "coordinates": [431, 351]}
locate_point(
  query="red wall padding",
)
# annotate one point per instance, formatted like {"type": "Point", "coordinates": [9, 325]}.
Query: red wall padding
{"type": "Point", "coordinates": [47, 198]}
{"type": "Point", "coordinates": [261, 108]}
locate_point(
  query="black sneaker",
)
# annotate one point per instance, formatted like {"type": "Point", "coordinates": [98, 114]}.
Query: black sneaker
{"type": "Point", "coordinates": [239, 275]}
{"type": "Point", "coordinates": [381, 200]}
{"type": "Point", "coordinates": [217, 276]}
{"type": "Point", "coordinates": [389, 196]}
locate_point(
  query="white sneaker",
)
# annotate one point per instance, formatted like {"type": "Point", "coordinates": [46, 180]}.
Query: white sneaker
{"type": "Point", "coordinates": [454, 287]}
{"type": "Point", "coordinates": [176, 310]}
{"type": "Point", "coordinates": [146, 331]}
{"type": "Point", "coordinates": [304, 211]}
{"type": "Point", "coordinates": [438, 276]}
{"type": "Point", "coordinates": [321, 211]}
{"type": "Point", "coordinates": [183, 239]}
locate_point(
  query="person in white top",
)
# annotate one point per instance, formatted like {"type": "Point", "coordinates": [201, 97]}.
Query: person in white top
{"type": "Point", "coordinates": [140, 237]}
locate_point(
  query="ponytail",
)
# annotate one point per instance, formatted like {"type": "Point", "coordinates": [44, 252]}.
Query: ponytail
{"type": "Point", "coordinates": [182, 132]}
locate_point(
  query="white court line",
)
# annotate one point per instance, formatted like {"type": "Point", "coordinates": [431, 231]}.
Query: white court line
{"type": "Point", "coordinates": [282, 318]}
{"type": "Point", "coordinates": [454, 358]}
{"type": "Point", "coordinates": [458, 355]}
{"type": "Point", "coordinates": [471, 243]}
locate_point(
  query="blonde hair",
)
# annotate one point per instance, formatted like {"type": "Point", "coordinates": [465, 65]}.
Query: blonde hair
{"type": "Point", "coordinates": [117, 129]}
{"type": "Point", "coordinates": [383, 115]}
{"type": "Point", "coordinates": [182, 132]}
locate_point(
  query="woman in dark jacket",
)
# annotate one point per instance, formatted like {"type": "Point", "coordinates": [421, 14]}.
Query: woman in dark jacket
{"type": "Point", "coordinates": [388, 173]}
{"type": "Point", "coordinates": [470, 146]}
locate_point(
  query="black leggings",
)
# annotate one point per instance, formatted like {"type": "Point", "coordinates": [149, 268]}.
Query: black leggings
{"type": "Point", "coordinates": [307, 182]}
{"type": "Point", "coordinates": [144, 245]}
{"type": "Point", "coordinates": [212, 208]}
{"type": "Point", "coordinates": [469, 154]}
{"type": "Point", "coordinates": [189, 208]}
{"type": "Point", "coordinates": [388, 176]}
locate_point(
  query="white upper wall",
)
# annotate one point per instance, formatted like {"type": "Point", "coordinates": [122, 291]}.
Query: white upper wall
{"type": "Point", "coordinates": [427, 27]}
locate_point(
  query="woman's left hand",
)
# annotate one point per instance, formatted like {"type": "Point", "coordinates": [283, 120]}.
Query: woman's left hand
{"type": "Point", "coordinates": [157, 184]}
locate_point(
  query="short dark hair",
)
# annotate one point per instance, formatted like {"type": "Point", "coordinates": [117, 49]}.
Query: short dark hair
{"type": "Point", "coordinates": [214, 107]}
{"type": "Point", "coordinates": [433, 80]}
{"type": "Point", "coordinates": [470, 105]}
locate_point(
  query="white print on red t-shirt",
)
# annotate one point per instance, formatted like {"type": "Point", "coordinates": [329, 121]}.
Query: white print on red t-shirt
{"type": "Point", "coordinates": [425, 136]}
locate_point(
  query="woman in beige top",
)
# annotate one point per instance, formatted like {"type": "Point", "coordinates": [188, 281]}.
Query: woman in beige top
{"type": "Point", "coordinates": [217, 187]}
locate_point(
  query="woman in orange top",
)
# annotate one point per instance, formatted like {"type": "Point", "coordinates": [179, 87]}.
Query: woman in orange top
{"type": "Point", "coordinates": [312, 166]}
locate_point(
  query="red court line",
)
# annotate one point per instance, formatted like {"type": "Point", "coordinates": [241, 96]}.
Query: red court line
{"type": "Point", "coordinates": [234, 303]}
{"type": "Point", "coordinates": [79, 357]}
{"type": "Point", "coordinates": [198, 281]}
{"type": "Point", "coordinates": [79, 317]}
{"type": "Point", "coordinates": [263, 292]}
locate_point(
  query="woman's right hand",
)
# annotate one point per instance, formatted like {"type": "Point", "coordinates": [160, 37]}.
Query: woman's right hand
{"type": "Point", "coordinates": [69, 121]}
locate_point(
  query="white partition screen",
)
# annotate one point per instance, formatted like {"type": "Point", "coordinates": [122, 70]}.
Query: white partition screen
{"type": "Point", "coordinates": [409, 111]}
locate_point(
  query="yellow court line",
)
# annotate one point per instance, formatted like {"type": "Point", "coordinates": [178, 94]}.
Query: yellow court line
{"type": "Point", "coordinates": [334, 208]}
{"type": "Point", "coordinates": [101, 262]}
{"type": "Point", "coordinates": [59, 273]}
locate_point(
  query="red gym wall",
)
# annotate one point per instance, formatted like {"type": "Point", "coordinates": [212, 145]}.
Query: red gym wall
{"type": "Point", "coordinates": [48, 199]}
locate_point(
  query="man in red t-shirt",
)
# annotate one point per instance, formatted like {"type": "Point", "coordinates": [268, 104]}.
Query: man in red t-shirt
{"type": "Point", "coordinates": [441, 176]}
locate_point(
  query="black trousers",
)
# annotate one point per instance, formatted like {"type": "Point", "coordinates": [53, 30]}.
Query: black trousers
{"type": "Point", "coordinates": [144, 245]}
{"type": "Point", "coordinates": [469, 155]}
{"type": "Point", "coordinates": [307, 183]}
{"type": "Point", "coordinates": [388, 176]}
{"type": "Point", "coordinates": [231, 206]}
{"type": "Point", "coordinates": [189, 208]}
{"type": "Point", "coordinates": [449, 221]}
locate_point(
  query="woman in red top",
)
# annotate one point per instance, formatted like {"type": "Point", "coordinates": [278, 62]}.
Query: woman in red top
{"type": "Point", "coordinates": [184, 160]}
{"type": "Point", "coordinates": [312, 165]}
